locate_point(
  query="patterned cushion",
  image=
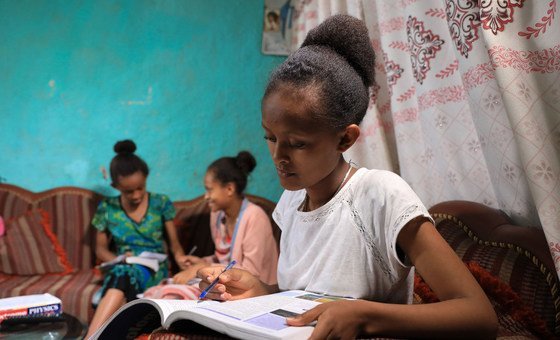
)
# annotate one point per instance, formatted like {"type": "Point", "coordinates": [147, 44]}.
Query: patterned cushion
{"type": "Point", "coordinates": [71, 211]}
{"type": "Point", "coordinates": [30, 237]}
{"type": "Point", "coordinates": [512, 266]}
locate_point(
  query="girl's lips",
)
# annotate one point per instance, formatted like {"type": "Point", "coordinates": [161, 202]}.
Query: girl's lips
{"type": "Point", "coordinates": [284, 173]}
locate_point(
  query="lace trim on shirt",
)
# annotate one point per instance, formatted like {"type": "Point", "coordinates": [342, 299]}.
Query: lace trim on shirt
{"type": "Point", "coordinates": [411, 212]}
{"type": "Point", "coordinates": [327, 210]}
{"type": "Point", "coordinates": [414, 211]}
{"type": "Point", "coordinates": [370, 243]}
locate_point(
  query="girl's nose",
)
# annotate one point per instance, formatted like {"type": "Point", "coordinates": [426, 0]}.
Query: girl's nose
{"type": "Point", "coordinates": [279, 154]}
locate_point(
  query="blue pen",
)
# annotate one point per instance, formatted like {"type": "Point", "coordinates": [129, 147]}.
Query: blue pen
{"type": "Point", "coordinates": [209, 288]}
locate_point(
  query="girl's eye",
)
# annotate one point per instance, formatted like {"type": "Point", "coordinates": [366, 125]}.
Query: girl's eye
{"type": "Point", "coordinates": [270, 139]}
{"type": "Point", "coordinates": [298, 145]}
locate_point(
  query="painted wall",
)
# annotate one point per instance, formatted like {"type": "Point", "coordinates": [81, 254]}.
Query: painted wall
{"type": "Point", "coordinates": [182, 78]}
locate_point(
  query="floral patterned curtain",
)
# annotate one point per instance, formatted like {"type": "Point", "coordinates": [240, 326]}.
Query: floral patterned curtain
{"type": "Point", "coordinates": [467, 101]}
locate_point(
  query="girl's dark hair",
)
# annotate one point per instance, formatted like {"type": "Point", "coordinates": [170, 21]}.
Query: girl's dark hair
{"type": "Point", "coordinates": [234, 169]}
{"type": "Point", "coordinates": [125, 163]}
{"type": "Point", "coordinates": [335, 64]}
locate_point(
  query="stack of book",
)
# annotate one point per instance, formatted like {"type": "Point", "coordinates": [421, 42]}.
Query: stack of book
{"type": "Point", "coordinates": [30, 308]}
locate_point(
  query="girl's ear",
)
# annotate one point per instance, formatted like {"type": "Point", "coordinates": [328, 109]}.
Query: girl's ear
{"type": "Point", "coordinates": [349, 136]}
{"type": "Point", "coordinates": [230, 187]}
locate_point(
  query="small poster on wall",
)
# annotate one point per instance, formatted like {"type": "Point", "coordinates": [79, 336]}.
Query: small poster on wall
{"type": "Point", "coordinates": [277, 28]}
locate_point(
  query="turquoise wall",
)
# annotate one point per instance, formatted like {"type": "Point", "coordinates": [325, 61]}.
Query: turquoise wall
{"type": "Point", "coordinates": [182, 78]}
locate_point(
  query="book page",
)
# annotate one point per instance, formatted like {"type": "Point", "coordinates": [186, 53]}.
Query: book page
{"type": "Point", "coordinates": [249, 308]}
{"type": "Point", "coordinates": [153, 264]}
{"type": "Point", "coordinates": [168, 306]}
{"type": "Point", "coordinates": [114, 261]}
{"type": "Point", "coordinates": [258, 318]}
{"type": "Point", "coordinates": [151, 255]}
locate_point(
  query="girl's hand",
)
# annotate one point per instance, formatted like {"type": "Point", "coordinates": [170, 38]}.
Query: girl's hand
{"type": "Point", "coordinates": [182, 261]}
{"type": "Point", "coordinates": [335, 320]}
{"type": "Point", "coordinates": [184, 276]}
{"type": "Point", "coordinates": [234, 284]}
{"type": "Point", "coordinates": [190, 260]}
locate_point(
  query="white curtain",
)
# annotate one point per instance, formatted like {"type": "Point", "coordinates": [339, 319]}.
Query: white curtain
{"type": "Point", "coordinates": [467, 101]}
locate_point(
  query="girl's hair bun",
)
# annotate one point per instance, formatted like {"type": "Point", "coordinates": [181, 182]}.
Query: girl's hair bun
{"type": "Point", "coordinates": [125, 147]}
{"type": "Point", "coordinates": [245, 161]}
{"type": "Point", "coordinates": [347, 36]}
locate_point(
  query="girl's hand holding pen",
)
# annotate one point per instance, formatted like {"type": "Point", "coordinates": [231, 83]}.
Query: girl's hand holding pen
{"type": "Point", "coordinates": [234, 284]}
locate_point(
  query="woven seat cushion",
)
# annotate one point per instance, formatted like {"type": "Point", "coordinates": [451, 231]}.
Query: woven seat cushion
{"type": "Point", "coordinates": [75, 290]}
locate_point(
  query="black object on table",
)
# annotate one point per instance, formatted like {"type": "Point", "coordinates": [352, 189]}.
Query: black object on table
{"type": "Point", "coordinates": [64, 326]}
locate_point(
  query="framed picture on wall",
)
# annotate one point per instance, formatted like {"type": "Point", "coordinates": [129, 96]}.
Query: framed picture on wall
{"type": "Point", "coordinates": [277, 27]}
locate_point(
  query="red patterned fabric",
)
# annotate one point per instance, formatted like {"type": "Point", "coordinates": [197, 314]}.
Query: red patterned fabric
{"type": "Point", "coordinates": [30, 237]}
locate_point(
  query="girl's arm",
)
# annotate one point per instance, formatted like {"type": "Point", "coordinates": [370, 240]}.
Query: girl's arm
{"type": "Point", "coordinates": [102, 247]}
{"type": "Point", "coordinates": [464, 310]}
{"type": "Point", "coordinates": [176, 249]}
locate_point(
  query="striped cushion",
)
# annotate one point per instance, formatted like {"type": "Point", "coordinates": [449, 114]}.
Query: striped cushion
{"type": "Point", "coordinates": [30, 247]}
{"type": "Point", "coordinates": [71, 211]}
{"type": "Point", "coordinates": [75, 290]}
{"type": "Point", "coordinates": [512, 267]}
{"type": "Point", "coordinates": [13, 202]}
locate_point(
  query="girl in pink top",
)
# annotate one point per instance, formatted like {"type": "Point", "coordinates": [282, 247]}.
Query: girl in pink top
{"type": "Point", "coordinates": [241, 230]}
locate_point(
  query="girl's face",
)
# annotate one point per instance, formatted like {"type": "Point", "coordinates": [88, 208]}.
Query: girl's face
{"type": "Point", "coordinates": [305, 151]}
{"type": "Point", "coordinates": [217, 194]}
{"type": "Point", "coordinates": [132, 188]}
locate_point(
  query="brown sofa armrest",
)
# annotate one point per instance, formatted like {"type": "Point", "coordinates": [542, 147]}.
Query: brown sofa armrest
{"type": "Point", "coordinates": [518, 255]}
{"type": "Point", "coordinates": [494, 226]}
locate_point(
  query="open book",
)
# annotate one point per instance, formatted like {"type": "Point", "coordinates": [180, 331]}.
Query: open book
{"type": "Point", "coordinates": [260, 317]}
{"type": "Point", "coordinates": [145, 258]}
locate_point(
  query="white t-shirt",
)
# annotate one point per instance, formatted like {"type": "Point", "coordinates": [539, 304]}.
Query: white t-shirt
{"type": "Point", "coordinates": [347, 247]}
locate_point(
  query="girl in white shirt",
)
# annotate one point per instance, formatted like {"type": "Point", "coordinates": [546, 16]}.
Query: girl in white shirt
{"type": "Point", "coordinates": [347, 231]}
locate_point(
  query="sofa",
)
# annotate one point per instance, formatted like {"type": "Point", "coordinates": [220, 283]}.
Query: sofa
{"type": "Point", "coordinates": [512, 263]}
{"type": "Point", "coordinates": [49, 242]}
